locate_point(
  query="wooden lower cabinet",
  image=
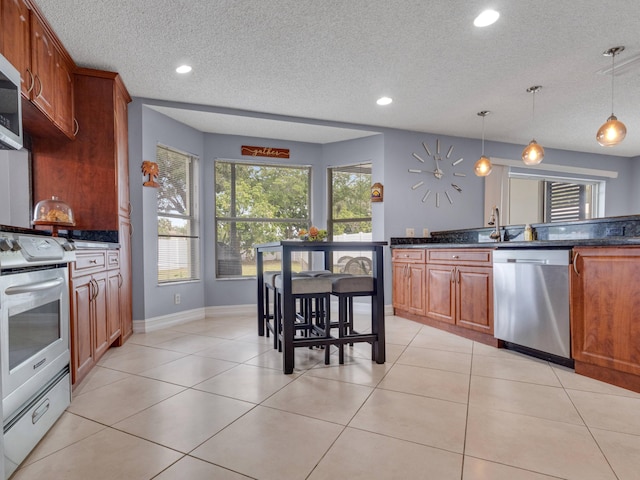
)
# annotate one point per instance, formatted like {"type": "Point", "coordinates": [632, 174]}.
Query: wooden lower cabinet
{"type": "Point", "coordinates": [441, 293]}
{"type": "Point", "coordinates": [114, 280]}
{"type": "Point", "coordinates": [474, 298]}
{"type": "Point", "coordinates": [460, 288]}
{"type": "Point", "coordinates": [456, 291]}
{"type": "Point", "coordinates": [409, 281]}
{"type": "Point", "coordinates": [408, 291]}
{"type": "Point", "coordinates": [82, 328]}
{"type": "Point", "coordinates": [95, 308]}
{"type": "Point", "coordinates": [605, 301]}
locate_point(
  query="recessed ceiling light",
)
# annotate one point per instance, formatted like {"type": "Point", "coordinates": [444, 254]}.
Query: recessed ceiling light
{"type": "Point", "coordinates": [486, 18]}
{"type": "Point", "coordinates": [384, 101]}
{"type": "Point", "coordinates": [183, 69]}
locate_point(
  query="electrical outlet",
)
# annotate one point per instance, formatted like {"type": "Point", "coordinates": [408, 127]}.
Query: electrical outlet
{"type": "Point", "coordinates": [410, 232]}
{"type": "Point", "coordinates": [425, 232]}
{"type": "Point", "coordinates": [176, 299]}
{"type": "Point", "coordinates": [615, 231]}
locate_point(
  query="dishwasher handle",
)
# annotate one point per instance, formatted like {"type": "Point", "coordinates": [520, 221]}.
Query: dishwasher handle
{"type": "Point", "coordinates": [534, 261]}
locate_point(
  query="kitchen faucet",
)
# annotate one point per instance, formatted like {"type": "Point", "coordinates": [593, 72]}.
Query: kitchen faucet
{"type": "Point", "coordinates": [495, 220]}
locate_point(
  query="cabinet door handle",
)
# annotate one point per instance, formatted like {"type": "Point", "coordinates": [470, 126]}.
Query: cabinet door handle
{"type": "Point", "coordinates": [120, 280]}
{"type": "Point", "coordinates": [96, 289]}
{"type": "Point", "coordinates": [452, 275]}
{"type": "Point", "coordinates": [76, 127]}
{"type": "Point", "coordinates": [32, 82]}
{"type": "Point", "coordinates": [575, 263]}
{"type": "Point", "coordinates": [40, 83]}
{"type": "Point", "coordinates": [457, 276]}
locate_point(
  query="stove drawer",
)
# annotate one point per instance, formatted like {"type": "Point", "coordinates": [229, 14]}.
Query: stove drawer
{"type": "Point", "coordinates": [24, 432]}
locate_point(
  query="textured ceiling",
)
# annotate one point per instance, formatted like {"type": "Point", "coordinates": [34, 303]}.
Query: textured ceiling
{"type": "Point", "coordinates": [331, 59]}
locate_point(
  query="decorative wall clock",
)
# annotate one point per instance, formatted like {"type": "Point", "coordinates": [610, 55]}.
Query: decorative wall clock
{"type": "Point", "coordinates": [442, 172]}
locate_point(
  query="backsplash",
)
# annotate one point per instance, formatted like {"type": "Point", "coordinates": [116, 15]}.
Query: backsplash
{"type": "Point", "coordinates": [598, 228]}
{"type": "Point", "coordinates": [107, 236]}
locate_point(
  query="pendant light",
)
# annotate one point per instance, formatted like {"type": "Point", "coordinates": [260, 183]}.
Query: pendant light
{"type": "Point", "coordinates": [533, 153]}
{"type": "Point", "coordinates": [613, 131]}
{"type": "Point", "coordinates": [483, 166]}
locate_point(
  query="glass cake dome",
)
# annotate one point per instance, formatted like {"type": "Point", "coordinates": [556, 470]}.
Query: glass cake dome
{"type": "Point", "coordinates": [53, 211]}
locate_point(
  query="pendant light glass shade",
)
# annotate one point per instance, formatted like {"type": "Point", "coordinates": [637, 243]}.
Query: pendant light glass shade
{"type": "Point", "coordinates": [613, 131]}
{"type": "Point", "coordinates": [483, 166]}
{"type": "Point", "coordinates": [533, 153]}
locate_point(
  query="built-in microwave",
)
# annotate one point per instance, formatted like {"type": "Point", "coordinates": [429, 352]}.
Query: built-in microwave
{"type": "Point", "coordinates": [10, 107]}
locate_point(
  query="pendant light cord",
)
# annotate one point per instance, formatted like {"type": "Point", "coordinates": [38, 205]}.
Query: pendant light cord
{"type": "Point", "coordinates": [613, 56]}
{"type": "Point", "coordinates": [483, 134]}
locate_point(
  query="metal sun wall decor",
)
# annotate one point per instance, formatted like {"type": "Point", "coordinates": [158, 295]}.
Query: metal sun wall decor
{"type": "Point", "coordinates": [151, 169]}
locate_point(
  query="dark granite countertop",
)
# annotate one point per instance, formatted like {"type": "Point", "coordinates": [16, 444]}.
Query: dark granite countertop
{"type": "Point", "coordinates": [600, 232]}
{"type": "Point", "coordinates": [93, 245]}
{"type": "Point", "coordinates": [417, 242]}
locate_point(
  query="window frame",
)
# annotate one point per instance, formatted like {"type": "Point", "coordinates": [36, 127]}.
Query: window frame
{"type": "Point", "coordinates": [246, 163]}
{"type": "Point", "coordinates": [192, 218]}
{"type": "Point", "coordinates": [331, 221]}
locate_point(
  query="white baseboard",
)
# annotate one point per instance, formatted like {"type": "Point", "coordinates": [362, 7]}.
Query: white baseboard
{"type": "Point", "coordinates": [165, 321]}
{"type": "Point", "coordinates": [224, 311]}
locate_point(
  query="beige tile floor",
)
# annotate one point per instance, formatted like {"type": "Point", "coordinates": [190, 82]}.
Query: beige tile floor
{"type": "Point", "coordinates": [208, 400]}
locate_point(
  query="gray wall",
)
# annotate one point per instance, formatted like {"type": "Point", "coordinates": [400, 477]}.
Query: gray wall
{"type": "Point", "coordinates": [390, 154]}
{"type": "Point", "coordinates": [147, 129]}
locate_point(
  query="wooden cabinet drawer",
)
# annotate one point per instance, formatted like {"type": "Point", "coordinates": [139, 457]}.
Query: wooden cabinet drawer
{"type": "Point", "coordinates": [459, 256]}
{"type": "Point", "coordinates": [409, 255]}
{"type": "Point", "coordinates": [113, 259]}
{"type": "Point", "coordinates": [88, 262]}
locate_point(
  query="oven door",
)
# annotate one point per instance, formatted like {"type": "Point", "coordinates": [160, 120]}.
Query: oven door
{"type": "Point", "coordinates": [35, 333]}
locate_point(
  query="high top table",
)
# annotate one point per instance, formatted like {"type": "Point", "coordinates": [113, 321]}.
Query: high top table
{"type": "Point", "coordinates": [286, 247]}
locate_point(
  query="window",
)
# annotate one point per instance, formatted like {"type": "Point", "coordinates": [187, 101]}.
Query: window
{"type": "Point", "coordinates": [258, 203]}
{"type": "Point", "coordinates": [177, 217]}
{"type": "Point", "coordinates": [565, 202]}
{"type": "Point", "coordinates": [350, 215]}
{"type": "Point", "coordinates": [350, 202]}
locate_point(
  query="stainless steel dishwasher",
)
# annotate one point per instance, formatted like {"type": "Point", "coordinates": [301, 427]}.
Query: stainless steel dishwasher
{"type": "Point", "coordinates": [531, 301]}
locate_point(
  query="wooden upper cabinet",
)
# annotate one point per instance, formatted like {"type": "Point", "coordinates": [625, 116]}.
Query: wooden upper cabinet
{"type": "Point", "coordinates": [64, 108]}
{"type": "Point", "coordinates": [15, 39]}
{"type": "Point", "coordinates": [43, 66]}
{"type": "Point", "coordinates": [88, 173]}
{"type": "Point", "coordinates": [122, 99]}
{"type": "Point", "coordinates": [45, 69]}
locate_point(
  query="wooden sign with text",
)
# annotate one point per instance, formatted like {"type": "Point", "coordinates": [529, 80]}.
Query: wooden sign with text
{"type": "Point", "coordinates": [265, 151]}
